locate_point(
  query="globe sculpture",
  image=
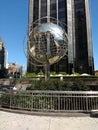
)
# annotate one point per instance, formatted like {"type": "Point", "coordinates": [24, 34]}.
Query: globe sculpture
{"type": "Point", "coordinates": [47, 43]}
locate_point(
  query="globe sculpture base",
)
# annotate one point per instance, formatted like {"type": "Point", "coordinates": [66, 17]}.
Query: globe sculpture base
{"type": "Point", "coordinates": [47, 72]}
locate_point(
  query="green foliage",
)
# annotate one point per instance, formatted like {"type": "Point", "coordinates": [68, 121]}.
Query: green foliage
{"type": "Point", "coordinates": [5, 100]}
{"type": "Point", "coordinates": [25, 101]}
{"type": "Point", "coordinates": [75, 85]}
{"type": "Point", "coordinates": [29, 75]}
{"type": "Point", "coordinates": [77, 74]}
{"type": "Point", "coordinates": [53, 73]}
{"type": "Point", "coordinates": [63, 73]}
{"type": "Point", "coordinates": [14, 100]}
{"type": "Point", "coordinates": [40, 73]}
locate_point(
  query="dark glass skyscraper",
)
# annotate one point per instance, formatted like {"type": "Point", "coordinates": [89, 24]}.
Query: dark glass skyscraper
{"type": "Point", "coordinates": [3, 55]}
{"type": "Point", "coordinates": [76, 15]}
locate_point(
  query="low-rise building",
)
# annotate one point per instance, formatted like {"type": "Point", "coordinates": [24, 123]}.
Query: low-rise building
{"type": "Point", "coordinates": [15, 70]}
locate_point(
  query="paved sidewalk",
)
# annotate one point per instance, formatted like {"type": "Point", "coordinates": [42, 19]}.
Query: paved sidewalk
{"type": "Point", "coordinates": [13, 121]}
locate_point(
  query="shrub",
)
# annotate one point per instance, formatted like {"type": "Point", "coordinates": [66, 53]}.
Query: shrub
{"type": "Point", "coordinates": [5, 100]}
{"type": "Point", "coordinates": [25, 101]}
{"type": "Point", "coordinates": [15, 100]}
{"type": "Point", "coordinates": [75, 85]}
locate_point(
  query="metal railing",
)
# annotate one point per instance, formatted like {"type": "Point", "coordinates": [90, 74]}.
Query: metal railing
{"type": "Point", "coordinates": [52, 101]}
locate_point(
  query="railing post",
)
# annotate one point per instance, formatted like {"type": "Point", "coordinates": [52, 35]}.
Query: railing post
{"type": "Point", "coordinates": [10, 100]}
{"type": "Point", "coordinates": [86, 103]}
{"type": "Point", "coordinates": [58, 102]}
{"type": "Point", "coordinates": [32, 101]}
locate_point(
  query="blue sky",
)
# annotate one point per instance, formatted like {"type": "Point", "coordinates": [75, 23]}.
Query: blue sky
{"type": "Point", "coordinates": [94, 20]}
{"type": "Point", "coordinates": [13, 26]}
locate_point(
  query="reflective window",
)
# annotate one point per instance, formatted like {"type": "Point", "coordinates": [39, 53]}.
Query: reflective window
{"type": "Point", "coordinates": [81, 35]}
{"type": "Point", "coordinates": [62, 11]}
{"type": "Point", "coordinates": [36, 10]}
{"type": "Point", "coordinates": [53, 9]}
{"type": "Point", "coordinates": [43, 10]}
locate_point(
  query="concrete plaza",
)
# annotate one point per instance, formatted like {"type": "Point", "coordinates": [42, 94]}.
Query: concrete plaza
{"type": "Point", "coordinates": [13, 121]}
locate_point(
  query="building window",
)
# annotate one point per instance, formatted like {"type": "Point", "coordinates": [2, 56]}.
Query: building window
{"type": "Point", "coordinates": [36, 10]}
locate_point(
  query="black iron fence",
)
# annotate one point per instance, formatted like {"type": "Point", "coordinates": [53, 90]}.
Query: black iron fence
{"type": "Point", "coordinates": [52, 101]}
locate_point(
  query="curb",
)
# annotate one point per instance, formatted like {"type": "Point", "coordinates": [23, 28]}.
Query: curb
{"type": "Point", "coordinates": [53, 114]}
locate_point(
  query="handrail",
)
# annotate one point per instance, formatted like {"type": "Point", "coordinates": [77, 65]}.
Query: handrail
{"type": "Point", "coordinates": [54, 101]}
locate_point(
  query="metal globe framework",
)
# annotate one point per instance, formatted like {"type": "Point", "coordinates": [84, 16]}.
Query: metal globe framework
{"type": "Point", "coordinates": [47, 42]}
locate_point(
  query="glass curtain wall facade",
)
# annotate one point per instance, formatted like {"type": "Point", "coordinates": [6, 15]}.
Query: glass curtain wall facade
{"type": "Point", "coordinates": [3, 55]}
{"type": "Point", "coordinates": [75, 14]}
